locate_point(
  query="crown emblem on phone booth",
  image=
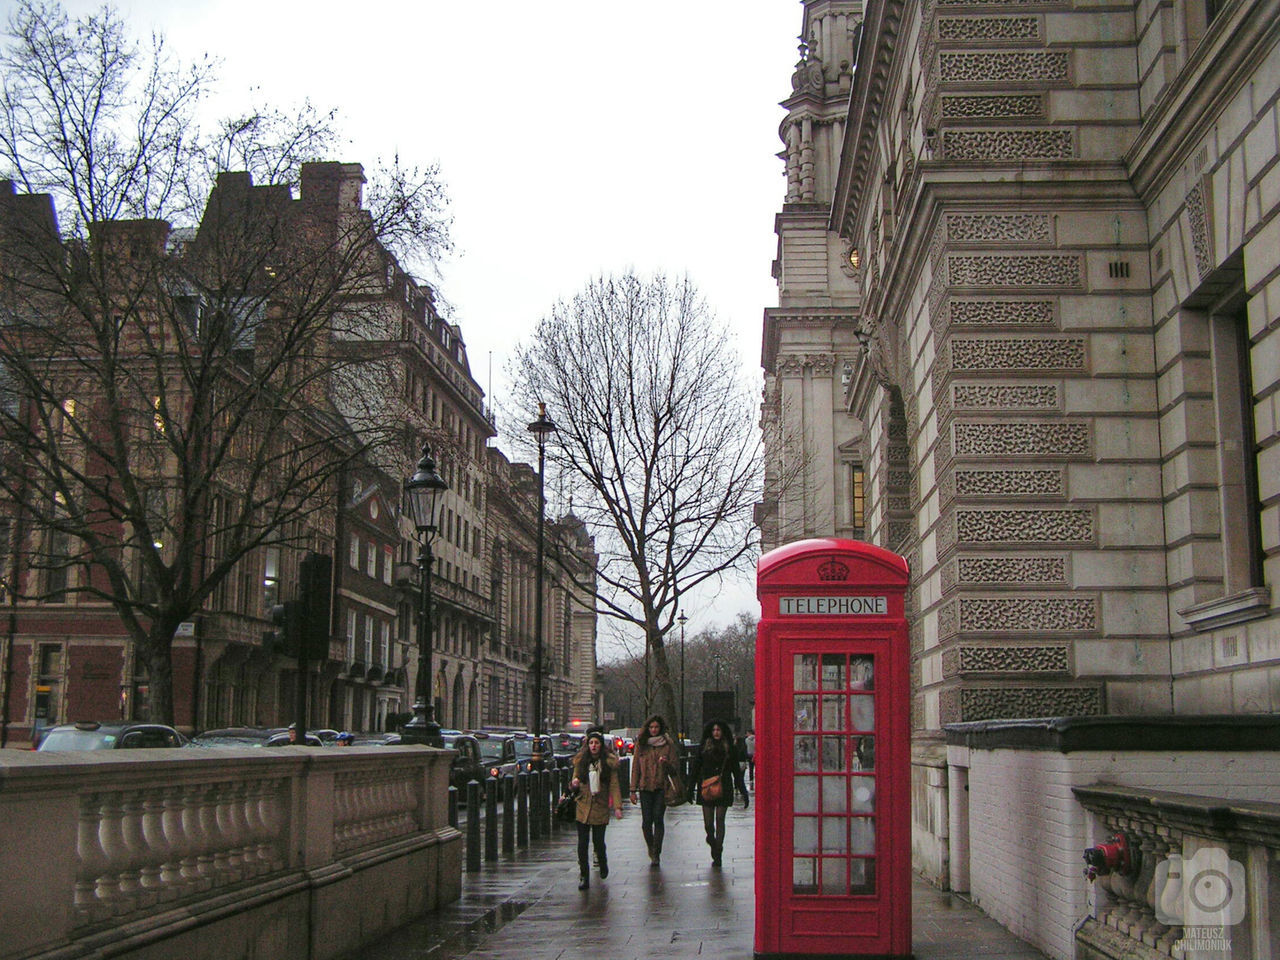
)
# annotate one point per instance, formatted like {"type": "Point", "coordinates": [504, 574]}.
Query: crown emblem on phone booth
{"type": "Point", "coordinates": [833, 570]}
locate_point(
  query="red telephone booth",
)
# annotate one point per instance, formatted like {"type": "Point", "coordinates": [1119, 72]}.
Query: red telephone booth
{"type": "Point", "coordinates": [833, 802]}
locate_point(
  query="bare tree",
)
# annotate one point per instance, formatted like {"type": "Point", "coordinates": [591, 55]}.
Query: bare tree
{"type": "Point", "coordinates": [657, 447]}
{"type": "Point", "coordinates": [176, 342]}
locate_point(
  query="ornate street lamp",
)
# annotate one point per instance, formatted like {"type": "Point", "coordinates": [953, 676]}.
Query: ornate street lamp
{"type": "Point", "coordinates": [540, 428]}
{"type": "Point", "coordinates": [684, 732]}
{"type": "Point", "coordinates": [422, 498]}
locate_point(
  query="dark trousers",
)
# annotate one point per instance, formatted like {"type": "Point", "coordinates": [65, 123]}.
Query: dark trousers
{"type": "Point", "coordinates": [713, 821]}
{"type": "Point", "coordinates": [595, 834]}
{"type": "Point", "coordinates": [653, 812]}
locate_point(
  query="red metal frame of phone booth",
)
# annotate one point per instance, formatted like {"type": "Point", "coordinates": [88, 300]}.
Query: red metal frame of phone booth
{"type": "Point", "coordinates": [833, 752]}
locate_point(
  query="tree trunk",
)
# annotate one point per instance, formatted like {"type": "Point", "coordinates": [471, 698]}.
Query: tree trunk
{"type": "Point", "coordinates": [664, 697]}
{"type": "Point", "coordinates": [157, 654]}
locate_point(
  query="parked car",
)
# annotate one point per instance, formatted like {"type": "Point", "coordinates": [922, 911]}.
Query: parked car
{"type": "Point", "coordinates": [534, 753]}
{"type": "Point", "coordinates": [231, 737]}
{"type": "Point", "coordinates": [565, 746]}
{"type": "Point", "coordinates": [496, 753]}
{"type": "Point", "coordinates": [467, 765]}
{"type": "Point", "coordinates": [92, 735]}
{"type": "Point", "coordinates": [282, 740]}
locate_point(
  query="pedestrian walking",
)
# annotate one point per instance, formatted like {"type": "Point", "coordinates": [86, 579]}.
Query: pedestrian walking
{"type": "Point", "coordinates": [751, 756]}
{"type": "Point", "coordinates": [717, 772]}
{"type": "Point", "coordinates": [655, 760]}
{"type": "Point", "coordinates": [595, 777]}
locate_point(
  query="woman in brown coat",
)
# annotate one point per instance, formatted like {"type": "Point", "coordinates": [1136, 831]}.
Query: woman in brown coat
{"type": "Point", "coordinates": [595, 777]}
{"type": "Point", "coordinates": [654, 760]}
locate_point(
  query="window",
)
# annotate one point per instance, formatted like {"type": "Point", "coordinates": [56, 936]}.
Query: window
{"type": "Point", "coordinates": [57, 566]}
{"type": "Point", "coordinates": [351, 636]}
{"type": "Point", "coordinates": [388, 562]}
{"type": "Point", "coordinates": [48, 683]}
{"type": "Point", "coordinates": [368, 639]}
{"type": "Point", "coordinates": [858, 500]}
{"type": "Point", "coordinates": [371, 562]}
{"type": "Point", "coordinates": [271, 578]}
{"type": "Point", "coordinates": [353, 557]}
{"type": "Point", "coordinates": [385, 651]}
{"type": "Point", "coordinates": [1237, 450]}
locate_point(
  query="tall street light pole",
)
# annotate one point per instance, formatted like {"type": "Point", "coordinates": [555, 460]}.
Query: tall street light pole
{"type": "Point", "coordinates": [540, 428]}
{"type": "Point", "coordinates": [683, 620]}
{"type": "Point", "coordinates": [422, 496]}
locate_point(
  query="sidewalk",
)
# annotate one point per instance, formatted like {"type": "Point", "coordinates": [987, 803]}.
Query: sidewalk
{"type": "Point", "coordinates": [530, 908]}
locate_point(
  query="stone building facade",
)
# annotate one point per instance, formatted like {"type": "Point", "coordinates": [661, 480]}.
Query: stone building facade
{"type": "Point", "coordinates": [1028, 336]}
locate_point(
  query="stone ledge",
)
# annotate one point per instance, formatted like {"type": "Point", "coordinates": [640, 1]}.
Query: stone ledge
{"type": "Point", "coordinates": [1210, 732]}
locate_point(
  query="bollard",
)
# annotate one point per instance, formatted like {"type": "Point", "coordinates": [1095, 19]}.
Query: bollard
{"type": "Point", "coordinates": [624, 775]}
{"type": "Point", "coordinates": [522, 809]}
{"type": "Point", "coordinates": [491, 820]}
{"type": "Point", "coordinates": [548, 805]}
{"type": "Point", "coordinates": [535, 805]}
{"type": "Point", "coordinates": [508, 815]}
{"type": "Point", "coordinates": [453, 806]}
{"type": "Point", "coordinates": [473, 826]}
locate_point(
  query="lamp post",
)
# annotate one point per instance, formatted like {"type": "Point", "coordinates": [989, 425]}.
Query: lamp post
{"type": "Point", "coordinates": [421, 492]}
{"type": "Point", "coordinates": [683, 620]}
{"type": "Point", "coordinates": [540, 428]}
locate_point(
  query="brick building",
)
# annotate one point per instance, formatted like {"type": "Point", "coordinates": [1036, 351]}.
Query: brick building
{"type": "Point", "coordinates": [370, 357]}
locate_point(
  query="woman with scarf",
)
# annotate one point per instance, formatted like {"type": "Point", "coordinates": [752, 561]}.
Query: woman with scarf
{"type": "Point", "coordinates": [655, 759]}
{"type": "Point", "coordinates": [595, 777]}
{"type": "Point", "coordinates": [718, 760]}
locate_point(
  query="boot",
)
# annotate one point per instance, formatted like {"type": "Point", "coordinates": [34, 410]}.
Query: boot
{"type": "Point", "coordinates": [584, 882]}
{"type": "Point", "coordinates": [717, 849]}
{"type": "Point", "coordinates": [604, 866]}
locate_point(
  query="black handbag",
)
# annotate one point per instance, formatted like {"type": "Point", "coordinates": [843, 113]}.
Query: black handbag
{"type": "Point", "coordinates": [567, 807]}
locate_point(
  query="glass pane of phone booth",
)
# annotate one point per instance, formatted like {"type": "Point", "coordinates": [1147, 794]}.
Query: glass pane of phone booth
{"type": "Point", "coordinates": [834, 775]}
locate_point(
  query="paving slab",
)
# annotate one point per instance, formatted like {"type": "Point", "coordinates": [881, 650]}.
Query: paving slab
{"type": "Point", "coordinates": [528, 906]}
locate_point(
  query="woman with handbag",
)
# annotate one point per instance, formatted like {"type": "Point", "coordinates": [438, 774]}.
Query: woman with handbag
{"type": "Point", "coordinates": [716, 773]}
{"type": "Point", "coordinates": [595, 777]}
{"type": "Point", "coordinates": [653, 765]}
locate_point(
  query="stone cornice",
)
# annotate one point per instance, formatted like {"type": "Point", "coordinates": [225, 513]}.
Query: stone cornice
{"type": "Point", "coordinates": [873, 59]}
{"type": "Point", "coordinates": [1226, 58]}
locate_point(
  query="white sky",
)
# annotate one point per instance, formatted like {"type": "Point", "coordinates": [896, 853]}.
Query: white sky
{"type": "Point", "coordinates": [575, 137]}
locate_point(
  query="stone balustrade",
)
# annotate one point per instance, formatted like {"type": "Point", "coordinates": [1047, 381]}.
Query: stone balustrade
{"type": "Point", "coordinates": [251, 846]}
{"type": "Point", "coordinates": [1223, 854]}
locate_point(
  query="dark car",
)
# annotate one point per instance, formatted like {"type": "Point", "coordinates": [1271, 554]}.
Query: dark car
{"type": "Point", "coordinates": [92, 735]}
{"type": "Point", "coordinates": [565, 746]}
{"type": "Point", "coordinates": [282, 740]}
{"type": "Point", "coordinates": [496, 754]}
{"type": "Point", "coordinates": [467, 765]}
{"type": "Point", "coordinates": [534, 753]}
{"type": "Point", "coordinates": [231, 737]}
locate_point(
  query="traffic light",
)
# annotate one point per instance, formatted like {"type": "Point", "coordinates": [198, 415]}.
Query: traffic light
{"type": "Point", "coordinates": [287, 619]}
{"type": "Point", "coordinates": [316, 574]}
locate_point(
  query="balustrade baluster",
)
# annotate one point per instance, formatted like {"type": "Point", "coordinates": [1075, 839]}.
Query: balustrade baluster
{"type": "Point", "coordinates": [227, 853]}
{"type": "Point", "coordinates": [193, 837]}
{"type": "Point", "coordinates": [92, 857]}
{"type": "Point", "coordinates": [244, 851]}
{"type": "Point", "coordinates": [112, 887]}
{"type": "Point", "coordinates": [177, 843]}
{"type": "Point", "coordinates": [156, 845]}
{"type": "Point", "coordinates": [208, 863]}
{"type": "Point", "coordinates": [271, 812]}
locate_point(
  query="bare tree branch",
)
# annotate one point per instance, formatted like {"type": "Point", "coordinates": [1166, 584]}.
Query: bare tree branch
{"type": "Point", "coordinates": [656, 444]}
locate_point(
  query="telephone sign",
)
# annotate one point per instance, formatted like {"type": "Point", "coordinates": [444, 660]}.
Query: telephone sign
{"type": "Point", "coordinates": [833, 824]}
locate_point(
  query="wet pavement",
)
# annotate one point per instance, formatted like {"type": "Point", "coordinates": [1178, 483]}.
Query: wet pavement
{"type": "Point", "coordinates": [528, 906]}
